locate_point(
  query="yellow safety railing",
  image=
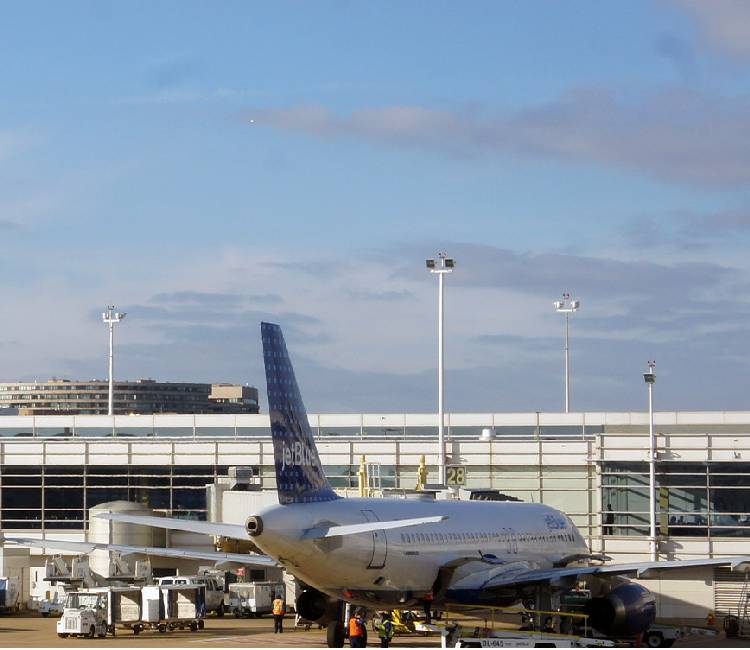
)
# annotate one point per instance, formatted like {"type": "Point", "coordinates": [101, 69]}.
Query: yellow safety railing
{"type": "Point", "coordinates": [536, 618]}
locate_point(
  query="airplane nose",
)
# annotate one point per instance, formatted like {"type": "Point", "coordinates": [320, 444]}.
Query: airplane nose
{"type": "Point", "coordinates": [254, 526]}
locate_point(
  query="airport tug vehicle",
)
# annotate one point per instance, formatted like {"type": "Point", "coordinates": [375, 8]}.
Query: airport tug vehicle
{"type": "Point", "coordinates": [84, 615]}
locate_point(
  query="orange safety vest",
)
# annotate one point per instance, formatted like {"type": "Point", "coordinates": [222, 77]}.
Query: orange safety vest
{"type": "Point", "coordinates": [278, 607]}
{"type": "Point", "coordinates": [354, 628]}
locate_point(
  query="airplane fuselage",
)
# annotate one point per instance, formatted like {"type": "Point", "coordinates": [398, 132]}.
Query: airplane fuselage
{"type": "Point", "coordinates": [402, 566]}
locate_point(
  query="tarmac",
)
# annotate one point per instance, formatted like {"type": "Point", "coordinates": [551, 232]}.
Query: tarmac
{"type": "Point", "coordinates": [33, 631]}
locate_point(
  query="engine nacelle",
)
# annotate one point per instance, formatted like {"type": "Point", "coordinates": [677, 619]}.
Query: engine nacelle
{"type": "Point", "coordinates": [627, 610]}
{"type": "Point", "coordinates": [254, 526]}
{"type": "Point", "coordinates": [316, 606]}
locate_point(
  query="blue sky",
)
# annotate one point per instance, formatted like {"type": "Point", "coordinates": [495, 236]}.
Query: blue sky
{"type": "Point", "coordinates": [207, 164]}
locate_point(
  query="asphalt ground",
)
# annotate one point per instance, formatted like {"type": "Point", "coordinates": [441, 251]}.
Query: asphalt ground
{"type": "Point", "coordinates": [33, 631]}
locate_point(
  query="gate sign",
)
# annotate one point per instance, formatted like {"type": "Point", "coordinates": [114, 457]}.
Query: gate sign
{"type": "Point", "coordinates": [455, 475]}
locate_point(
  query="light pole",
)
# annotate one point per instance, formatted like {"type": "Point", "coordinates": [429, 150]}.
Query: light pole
{"type": "Point", "coordinates": [650, 378]}
{"type": "Point", "coordinates": [567, 306]}
{"type": "Point", "coordinates": [111, 318]}
{"type": "Point", "coordinates": [441, 266]}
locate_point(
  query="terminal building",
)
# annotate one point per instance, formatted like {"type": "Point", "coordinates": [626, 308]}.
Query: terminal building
{"type": "Point", "coordinates": [142, 396]}
{"type": "Point", "coordinates": [593, 466]}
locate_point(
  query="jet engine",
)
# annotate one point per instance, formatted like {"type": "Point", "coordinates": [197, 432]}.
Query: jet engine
{"type": "Point", "coordinates": [627, 610]}
{"type": "Point", "coordinates": [316, 606]}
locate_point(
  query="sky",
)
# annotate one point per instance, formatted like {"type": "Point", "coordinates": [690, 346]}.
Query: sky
{"type": "Point", "coordinates": [208, 165]}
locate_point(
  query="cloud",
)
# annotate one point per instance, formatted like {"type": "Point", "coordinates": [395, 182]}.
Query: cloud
{"type": "Point", "coordinates": [547, 274]}
{"type": "Point", "coordinates": [7, 226]}
{"type": "Point", "coordinates": [188, 95]}
{"type": "Point", "coordinates": [678, 52]}
{"type": "Point", "coordinates": [319, 268]}
{"type": "Point", "coordinates": [689, 230]}
{"type": "Point", "coordinates": [14, 142]}
{"type": "Point", "coordinates": [722, 24]}
{"type": "Point", "coordinates": [354, 352]}
{"type": "Point", "coordinates": [677, 136]}
{"type": "Point", "coordinates": [215, 298]}
{"type": "Point", "coordinates": [379, 296]}
{"type": "Point", "coordinates": [172, 71]}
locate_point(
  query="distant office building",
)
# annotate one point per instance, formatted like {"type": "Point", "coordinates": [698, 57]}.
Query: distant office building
{"type": "Point", "coordinates": [144, 396]}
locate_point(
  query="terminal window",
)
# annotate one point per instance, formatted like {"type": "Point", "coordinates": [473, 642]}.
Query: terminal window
{"type": "Point", "coordinates": [692, 499]}
{"type": "Point", "coordinates": [50, 497]}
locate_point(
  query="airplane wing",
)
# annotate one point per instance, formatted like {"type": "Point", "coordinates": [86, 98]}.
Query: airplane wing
{"type": "Point", "coordinates": [320, 532]}
{"type": "Point", "coordinates": [234, 531]}
{"type": "Point", "coordinates": [514, 574]}
{"type": "Point", "coordinates": [246, 559]}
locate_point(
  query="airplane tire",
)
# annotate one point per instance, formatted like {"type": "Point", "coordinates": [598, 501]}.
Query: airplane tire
{"type": "Point", "coordinates": [335, 635]}
{"type": "Point", "coordinates": [657, 640]}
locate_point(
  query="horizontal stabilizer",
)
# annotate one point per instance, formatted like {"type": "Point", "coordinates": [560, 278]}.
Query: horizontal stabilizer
{"type": "Point", "coordinates": [233, 531]}
{"type": "Point", "coordinates": [246, 559]}
{"type": "Point", "coordinates": [319, 532]}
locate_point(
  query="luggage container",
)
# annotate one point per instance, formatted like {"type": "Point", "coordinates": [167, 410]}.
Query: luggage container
{"type": "Point", "coordinates": [170, 607]}
{"type": "Point", "coordinates": [254, 598]}
{"type": "Point", "coordinates": [125, 605]}
{"type": "Point", "coordinates": [152, 609]}
{"type": "Point", "coordinates": [9, 595]}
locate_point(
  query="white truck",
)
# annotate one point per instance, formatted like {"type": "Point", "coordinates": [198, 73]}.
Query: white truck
{"type": "Point", "coordinates": [214, 590]}
{"type": "Point", "coordinates": [51, 606]}
{"type": "Point", "coordinates": [254, 598]}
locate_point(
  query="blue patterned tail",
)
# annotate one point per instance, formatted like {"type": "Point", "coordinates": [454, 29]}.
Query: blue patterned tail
{"type": "Point", "coordinates": [299, 474]}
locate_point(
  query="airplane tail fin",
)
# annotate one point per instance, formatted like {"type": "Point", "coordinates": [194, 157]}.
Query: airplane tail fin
{"type": "Point", "coordinates": [299, 473]}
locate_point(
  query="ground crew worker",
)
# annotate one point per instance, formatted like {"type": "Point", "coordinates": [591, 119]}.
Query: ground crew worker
{"type": "Point", "coordinates": [357, 631]}
{"type": "Point", "coordinates": [427, 604]}
{"type": "Point", "coordinates": [385, 630]}
{"type": "Point", "coordinates": [279, 609]}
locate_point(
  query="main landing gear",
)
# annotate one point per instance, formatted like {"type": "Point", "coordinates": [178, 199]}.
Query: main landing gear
{"type": "Point", "coordinates": [336, 629]}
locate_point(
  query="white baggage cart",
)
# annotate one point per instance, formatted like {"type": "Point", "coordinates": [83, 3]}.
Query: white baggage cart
{"type": "Point", "coordinates": [253, 599]}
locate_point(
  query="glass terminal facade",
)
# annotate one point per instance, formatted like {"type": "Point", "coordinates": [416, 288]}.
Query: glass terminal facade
{"type": "Point", "coordinates": [591, 465]}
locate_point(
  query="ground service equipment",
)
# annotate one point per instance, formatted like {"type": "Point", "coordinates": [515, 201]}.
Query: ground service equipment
{"type": "Point", "coordinates": [253, 598]}
{"type": "Point", "coordinates": [9, 594]}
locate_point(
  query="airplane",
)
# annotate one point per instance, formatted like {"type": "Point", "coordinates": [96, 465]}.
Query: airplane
{"type": "Point", "coordinates": [393, 553]}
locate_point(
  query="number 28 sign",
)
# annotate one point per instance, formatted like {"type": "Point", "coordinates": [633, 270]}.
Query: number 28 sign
{"type": "Point", "coordinates": [455, 475]}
